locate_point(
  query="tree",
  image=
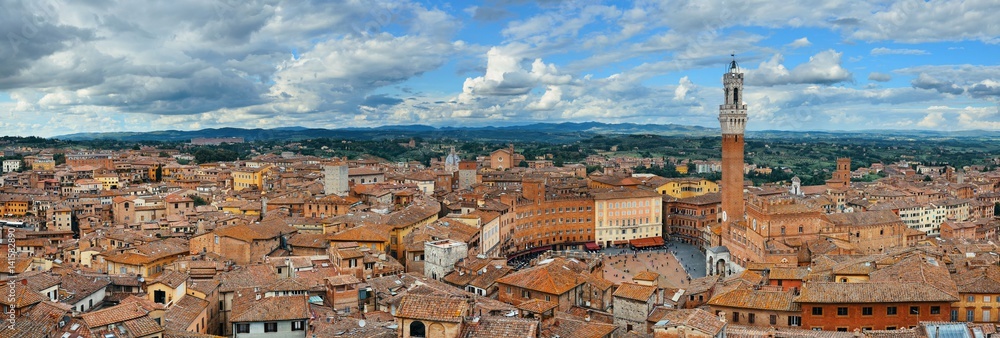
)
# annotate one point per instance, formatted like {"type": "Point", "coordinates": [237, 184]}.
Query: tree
{"type": "Point", "coordinates": [996, 209]}
{"type": "Point", "coordinates": [927, 178]}
{"type": "Point", "coordinates": [164, 154]}
{"type": "Point", "coordinates": [59, 158]}
{"type": "Point", "coordinates": [198, 200]}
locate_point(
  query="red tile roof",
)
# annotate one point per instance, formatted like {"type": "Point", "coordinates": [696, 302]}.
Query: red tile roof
{"type": "Point", "coordinates": [432, 308]}
{"type": "Point", "coordinates": [633, 291]}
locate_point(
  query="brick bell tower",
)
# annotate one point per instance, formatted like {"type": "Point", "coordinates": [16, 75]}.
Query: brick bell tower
{"type": "Point", "coordinates": [733, 119]}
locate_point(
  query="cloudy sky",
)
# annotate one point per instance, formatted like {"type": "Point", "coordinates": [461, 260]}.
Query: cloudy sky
{"type": "Point", "coordinates": [106, 65]}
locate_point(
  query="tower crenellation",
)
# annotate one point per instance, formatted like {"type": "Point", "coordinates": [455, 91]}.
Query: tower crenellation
{"type": "Point", "coordinates": [733, 114]}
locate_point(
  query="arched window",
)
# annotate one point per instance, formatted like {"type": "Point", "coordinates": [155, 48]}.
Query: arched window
{"type": "Point", "coordinates": [417, 329]}
{"type": "Point", "coordinates": [736, 95]}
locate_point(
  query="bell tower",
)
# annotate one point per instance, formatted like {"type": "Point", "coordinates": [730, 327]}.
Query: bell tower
{"type": "Point", "coordinates": [733, 120]}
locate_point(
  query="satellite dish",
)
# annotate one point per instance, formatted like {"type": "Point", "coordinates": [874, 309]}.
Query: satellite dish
{"type": "Point", "coordinates": [724, 216]}
{"type": "Point", "coordinates": [361, 323]}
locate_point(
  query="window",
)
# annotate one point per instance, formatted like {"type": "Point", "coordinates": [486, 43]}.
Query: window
{"type": "Point", "coordinates": [271, 327]}
{"type": "Point", "coordinates": [935, 310]}
{"type": "Point", "coordinates": [986, 299]}
{"type": "Point", "coordinates": [890, 311]}
{"type": "Point", "coordinates": [970, 299]}
{"type": "Point", "coordinates": [750, 318]}
{"type": "Point", "coordinates": [841, 311]}
{"type": "Point", "coordinates": [242, 328]}
{"type": "Point", "coordinates": [987, 316]}
{"type": "Point", "coordinates": [774, 319]}
{"type": "Point", "coordinates": [548, 298]}
{"type": "Point", "coordinates": [954, 315]}
{"type": "Point", "coordinates": [508, 290]}
{"type": "Point", "coordinates": [794, 321]}
{"type": "Point", "coordinates": [970, 315]}
{"type": "Point", "coordinates": [298, 325]}
{"type": "Point", "coordinates": [817, 311]}
{"type": "Point", "coordinates": [525, 294]}
{"type": "Point", "coordinates": [841, 329]}
{"type": "Point", "coordinates": [866, 311]}
{"type": "Point", "coordinates": [736, 317]}
{"type": "Point", "coordinates": [914, 310]}
{"type": "Point", "coordinates": [890, 327]}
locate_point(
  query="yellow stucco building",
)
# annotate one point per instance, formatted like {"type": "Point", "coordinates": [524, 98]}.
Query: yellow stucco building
{"type": "Point", "coordinates": [246, 177]}
{"type": "Point", "coordinates": [687, 187]}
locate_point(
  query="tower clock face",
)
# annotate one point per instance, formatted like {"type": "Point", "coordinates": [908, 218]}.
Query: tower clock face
{"type": "Point", "coordinates": [724, 216]}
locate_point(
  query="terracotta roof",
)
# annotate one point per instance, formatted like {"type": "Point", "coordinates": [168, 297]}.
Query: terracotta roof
{"type": "Point", "coordinates": [168, 333]}
{"type": "Point", "coordinates": [41, 280]}
{"type": "Point", "coordinates": [304, 240]}
{"type": "Point", "coordinates": [566, 325]}
{"type": "Point", "coordinates": [114, 314]}
{"type": "Point", "coordinates": [170, 278]}
{"type": "Point", "coordinates": [646, 275]}
{"type": "Point", "coordinates": [204, 286]}
{"type": "Point", "coordinates": [854, 268]}
{"type": "Point", "coordinates": [750, 277]}
{"type": "Point", "coordinates": [756, 299]}
{"type": "Point", "coordinates": [80, 286]}
{"type": "Point", "coordinates": [697, 319]}
{"type": "Point", "coordinates": [699, 285]}
{"type": "Point", "coordinates": [143, 302]}
{"type": "Point", "coordinates": [982, 280]}
{"type": "Point", "coordinates": [364, 233]}
{"type": "Point", "coordinates": [142, 326]}
{"type": "Point", "coordinates": [537, 306]}
{"type": "Point", "coordinates": [413, 214]}
{"type": "Point", "coordinates": [287, 284]}
{"type": "Point", "coordinates": [246, 308]}
{"type": "Point", "coordinates": [432, 308]}
{"type": "Point", "coordinates": [788, 273]}
{"type": "Point", "coordinates": [22, 297]}
{"type": "Point", "coordinates": [489, 327]}
{"type": "Point", "coordinates": [919, 269]}
{"type": "Point", "coordinates": [421, 176]}
{"type": "Point", "coordinates": [871, 292]}
{"type": "Point", "coordinates": [180, 315]}
{"type": "Point", "coordinates": [41, 321]}
{"type": "Point", "coordinates": [552, 278]}
{"type": "Point", "coordinates": [740, 331]}
{"type": "Point", "coordinates": [635, 292]}
{"type": "Point", "coordinates": [250, 276]}
{"type": "Point", "coordinates": [863, 218]}
{"type": "Point", "coordinates": [343, 280]}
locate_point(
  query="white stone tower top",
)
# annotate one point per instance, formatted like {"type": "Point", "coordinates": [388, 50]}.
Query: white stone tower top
{"type": "Point", "coordinates": [733, 114]}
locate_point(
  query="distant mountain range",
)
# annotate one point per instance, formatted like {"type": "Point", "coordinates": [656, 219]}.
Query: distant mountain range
{"type": "Point", "coordinates": [550, 132]}
{"type": "Point", "coordinates": [538, 132]}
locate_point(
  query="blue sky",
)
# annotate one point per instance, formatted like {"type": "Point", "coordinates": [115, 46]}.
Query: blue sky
{"type": "Point", "coordinates": [810, 65]}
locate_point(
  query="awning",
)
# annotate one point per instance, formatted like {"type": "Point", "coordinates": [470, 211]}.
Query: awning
{"type": "Point", "coordinates": [592, 246]}
{"type": "Point", "coordinates": [541, 248]}
{"type": "Point", "coordinates": [647, 242]}
{"type": "Point", "coordinates": [621, 242]}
